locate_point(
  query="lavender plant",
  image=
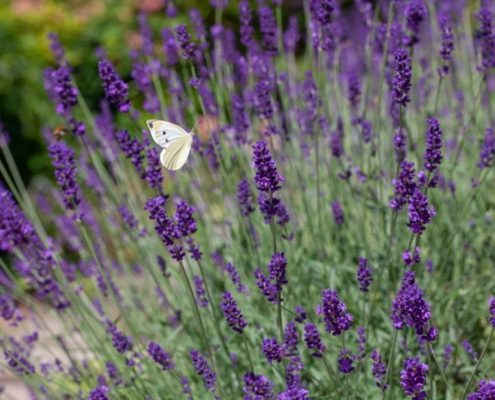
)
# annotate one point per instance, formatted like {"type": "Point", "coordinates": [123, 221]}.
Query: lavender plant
{"type": "Point", "coordinates": [313, 247]}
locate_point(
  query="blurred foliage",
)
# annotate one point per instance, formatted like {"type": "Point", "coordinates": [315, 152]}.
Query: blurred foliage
{"type": "Point", "coordinates": [82, 26]}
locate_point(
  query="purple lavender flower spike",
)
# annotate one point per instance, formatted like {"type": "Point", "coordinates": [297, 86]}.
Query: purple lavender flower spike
{"type": "Point", "coordinates": [291, 338]}
{"type": "Point", "coordinates": [292, 35]}
{"type": "Point", "coordinates": [420, 212]}
{"type": "Point", "coordinates": [364, 275]}
{"type": "Point", "coordinates": [345, 361]}
{"type": "Point", "coordinates": [273, 351]}
{"type": "Point", "coordinates": [413, 378]}
{"type": "Point", "coordinates": [268, 28]}
{"type": "Point", "coordinates": [413, 258]}
{"type": "Point", "coordinates": [133, 149]}
{"type": "Point", "coordinates": [188, 48]}
{"type": "Point", "coordinates": [401, 84]}
{"type": "Point", "coordinates": [154, 170]}
{"type": "Point", "coordinates": [485, 38]}
{"type": "Point", "coordinates": [245, 197]}
{"type": "Point", "coordinates": [18, 363]}
{"type": "Point", "coordinates": [448, 352]}
{"type": "Point", "coordinates": [334, 311]}
{"type": "Point", "coordinates": [267, 178]}
{"type": "Point", "coordinates": [100, 393]}
{"type": "Point", "coordinates": [313, 340]}
{"type": "Point", "coordinates": [160, 356]}
{"type": "Point", "coordinates": [378, 369]}
{"type": "Point", "coordinates": [447, 48]}
{"type": "Point", "coordinates": [361, 340]}
{"type": "Point", "coordinates": [170, 47]}
{"type": "Point", "coordinates": [338, 213]}
{"type": "Point", "coordinates": [409, 308]}
{"type": "Point", "coordinates": [301, 315]}
{"type": "Point", "coordinates": [405, 186]}
{"type": "Point", "coordinates": [415, 14]}
{"type": "Point", "coordinates": [65, 173]}
{"type": "Point", "coordinates": [56, 48]}
{"type": "Point", "coordinates": [64, 91]}
{"type": "Point", "coordinates": [240, 119]}
{"type": "Point", "coordinates": [433, 152]}
{"type": "Point", "coordinates": [472, 354]}
{"type": "Point", "coordinates": [491, 307]}
{"type": "Point", "coordinates": [246, 20]}
{"type": "Point", "coordinates": [257, 387]}
{"type": "Point", "coordinates": [203, 369]}
{"type": "Point", "coordinates": [266, 287]}
{"type": "Point", "coordinates": [200, 292]}
{"type": "Point", "coordinates": [278, 270]}
{"type": "Point", "coordinates": [184, 219]}
{"type": "Point", "coordinates": [120, 342]}
{"type": "Point", "coordinates": [115, 88]}
{"type": "Point", "coordinates": [232, 313]}
{"type": "Point", "coordinates": [487, 151]}
{"type": "Point", "coordinates": [294, 393]}
{"type": "Point", "coordinates": [484, 391]}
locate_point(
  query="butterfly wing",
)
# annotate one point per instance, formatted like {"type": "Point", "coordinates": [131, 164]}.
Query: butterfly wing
{"type": "Point", "coordinates": [164, 133]}
{"type": "Point", "coordinates": [175, 155]}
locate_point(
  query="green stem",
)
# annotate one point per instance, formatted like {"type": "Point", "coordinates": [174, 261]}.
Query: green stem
{"type": "Point", "coordinates": [390, 360]}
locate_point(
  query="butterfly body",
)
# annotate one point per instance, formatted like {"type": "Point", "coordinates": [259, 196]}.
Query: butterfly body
{"type": "Point", "coordinates": [175, 140]}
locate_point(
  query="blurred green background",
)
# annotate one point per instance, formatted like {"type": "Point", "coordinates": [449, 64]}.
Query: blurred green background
{"type": "Point", "coordinates": [83, 26]}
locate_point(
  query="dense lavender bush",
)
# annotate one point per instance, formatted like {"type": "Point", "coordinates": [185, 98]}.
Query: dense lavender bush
{"type": "Point", "coordinates": [330, 237]}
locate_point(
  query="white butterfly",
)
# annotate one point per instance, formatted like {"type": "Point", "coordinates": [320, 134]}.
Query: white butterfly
{"type": "Point", "coordinates": [176, 142]}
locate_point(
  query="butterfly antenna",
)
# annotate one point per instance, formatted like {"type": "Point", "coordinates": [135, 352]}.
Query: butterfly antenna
{"type": "Point", "coordinates": [195, 125]}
